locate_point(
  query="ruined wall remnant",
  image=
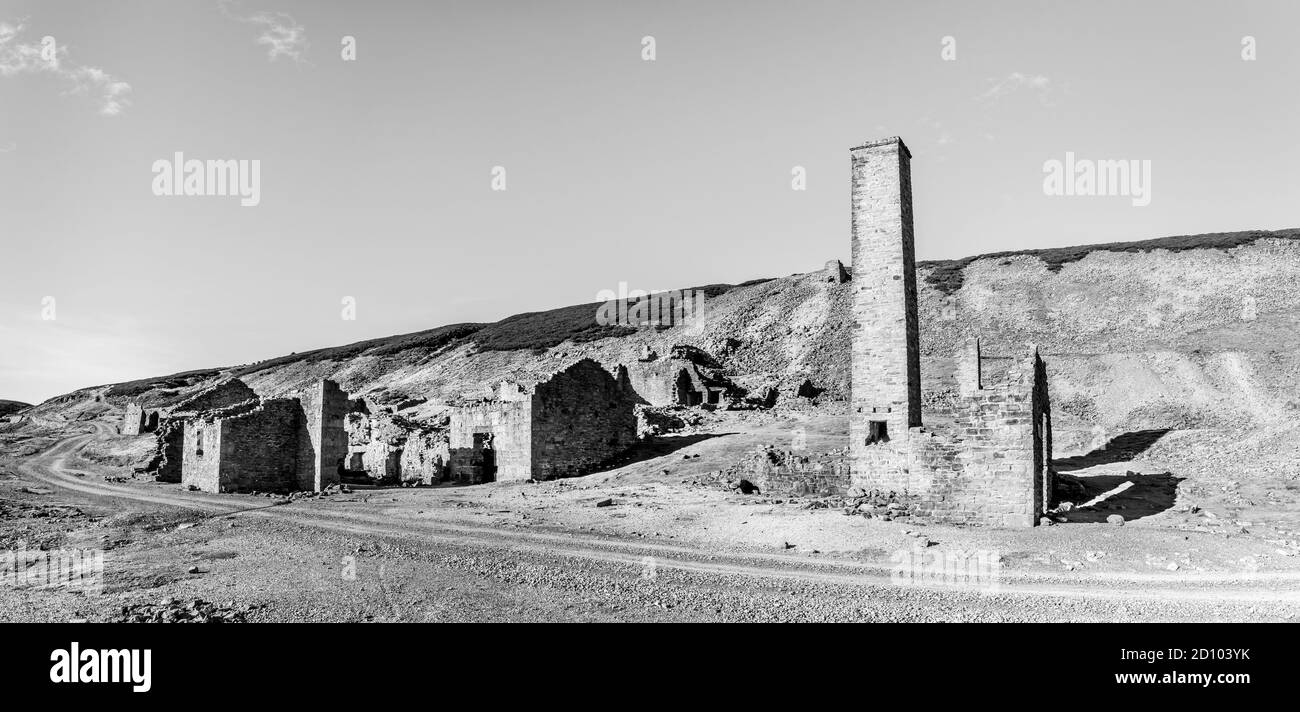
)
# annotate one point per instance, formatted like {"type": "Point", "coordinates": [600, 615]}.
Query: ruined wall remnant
{"type": "Point", "coordinates": [983, 457]}
{"type": "Point", "coordinates": [132, 419]}
{"type": "Point", "coordinates": [786, 473]}
{"type": "Point", "coordinates": [323, 440]}
{"type": "Point", "coordinates": [136, 420]}
{"type": "Point", "coordinates": [581, 418]}
{"type": "Point", "coordinates": [169, 451]}
{"type": "Point", "coordinates": [222, 395]}
{"type": "Point", "coordinates": [835, 272]}
{"type": "Point", "coordinates": [688, 376]}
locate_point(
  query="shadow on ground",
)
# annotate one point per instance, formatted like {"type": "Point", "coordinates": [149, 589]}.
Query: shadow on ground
{"type": "Point", "coordinates": [1146, 495]}
{"type": "Point", "coordinates": [661, 445]}
{"type": "Point", "coordinates": [1121, 448]}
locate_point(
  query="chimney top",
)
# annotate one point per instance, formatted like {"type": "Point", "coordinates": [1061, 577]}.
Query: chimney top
{"type": "Point", "coordinates": [885, 141]}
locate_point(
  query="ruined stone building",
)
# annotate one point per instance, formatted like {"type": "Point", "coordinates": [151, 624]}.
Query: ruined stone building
{"type": "Point", "coordinates": [170, 435]}
{"type": "Point", "coordinates": [687, 376]}
{"type": "Point", "coordinates": [984, 460]}
{"type": "Point", "coordinates": [577, 420]}
{"type": "Point", "coordinates": [227, 439]}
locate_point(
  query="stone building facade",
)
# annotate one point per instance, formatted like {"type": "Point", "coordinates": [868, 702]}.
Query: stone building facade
{"type": "Point", "coordinates": [577, 420]}
{"type": "Point", "coordinates": [984, 460]}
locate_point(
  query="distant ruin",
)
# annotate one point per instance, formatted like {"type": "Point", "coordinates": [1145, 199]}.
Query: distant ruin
{"type": "Point", "coordinates": [136, 420]}
{"type": "Point", "coordinates": [687, 376]}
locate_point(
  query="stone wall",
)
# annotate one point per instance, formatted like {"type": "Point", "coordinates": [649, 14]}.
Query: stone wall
{"type": "Point", "coordinates": [787, 474]}
{"type": "Point", "coordinates": [581, 418]}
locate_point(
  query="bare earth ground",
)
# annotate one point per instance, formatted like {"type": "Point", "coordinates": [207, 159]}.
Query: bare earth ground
{"type": "Point", "coordinates": [1198, 545]}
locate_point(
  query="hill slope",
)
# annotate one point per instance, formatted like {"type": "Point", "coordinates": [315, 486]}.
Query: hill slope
{"type": "Point", "coordinates": [1199, 331]}
{"type": "Point", "coordinates": [8, 406]}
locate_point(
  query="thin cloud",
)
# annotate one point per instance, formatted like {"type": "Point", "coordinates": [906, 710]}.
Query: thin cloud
{"type": "Point", "coordinates": [279, 32]}
{"type": "Point", "coordinates": [1015, 81]}
{"type": "Point", "coordinates": [9, 147]}
{"type": "Point", "coordinates": [943, 136]}
{"type": "Point", "coordinates": [20, 57]}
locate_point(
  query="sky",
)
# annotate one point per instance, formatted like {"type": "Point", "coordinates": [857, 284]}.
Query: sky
{"type": "Point", "coordinates": [661, 171]}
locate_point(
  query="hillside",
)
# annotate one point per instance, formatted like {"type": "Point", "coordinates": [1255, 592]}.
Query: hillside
{"type": "Point", "coordinates": [7, 407]}
{"type": "Point", "coordinates": [1199, 331]}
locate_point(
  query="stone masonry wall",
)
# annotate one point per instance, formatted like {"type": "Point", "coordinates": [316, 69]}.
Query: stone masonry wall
{"type": "Point", "coordinates": [581, 418]}
{"type": "Point", "coordinates": [784, 473]}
